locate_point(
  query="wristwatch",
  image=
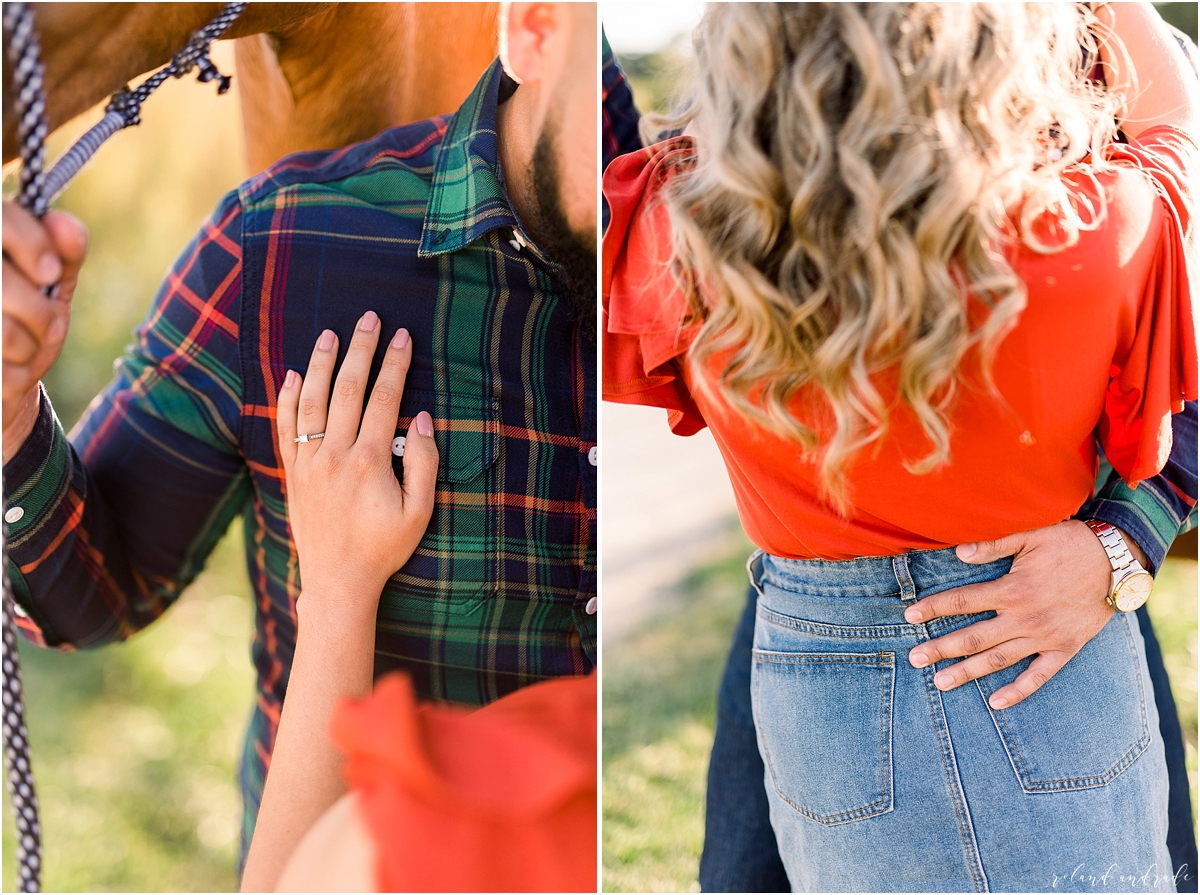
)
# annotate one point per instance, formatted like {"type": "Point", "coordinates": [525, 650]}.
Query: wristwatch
{"type": "Point", "coordinates": [1131, 584]}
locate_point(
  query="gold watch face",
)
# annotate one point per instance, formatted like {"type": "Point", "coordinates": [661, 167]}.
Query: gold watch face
{"type": "Point", "coordinates": [1133, 590]}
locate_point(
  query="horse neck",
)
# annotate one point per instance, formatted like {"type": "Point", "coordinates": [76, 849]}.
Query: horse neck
{"type": "Point", "coordinates": [90, 50]}
{"type": "Point", "coordinates": [349, 72]}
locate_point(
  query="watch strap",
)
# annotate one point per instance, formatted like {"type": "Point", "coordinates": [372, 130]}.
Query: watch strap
{"type": "Point", "coordinates": [1119, 555]}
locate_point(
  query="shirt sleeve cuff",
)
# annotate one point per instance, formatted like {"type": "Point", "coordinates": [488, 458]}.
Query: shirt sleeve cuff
{"type": "Point", "coordinates": [30, 457]}
{"type": "Point", "coordinates": [36, 481]}
{"type": "Point", "coordinates": [1137, 514]}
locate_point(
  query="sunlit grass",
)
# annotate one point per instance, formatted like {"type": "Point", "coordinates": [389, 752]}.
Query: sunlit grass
{"type": "Point", "coordinates": [135, 746]}
{"type": "Point", "coordinates": [659, 710]}
{"type": "Point", "coordinates": [1172, 608]}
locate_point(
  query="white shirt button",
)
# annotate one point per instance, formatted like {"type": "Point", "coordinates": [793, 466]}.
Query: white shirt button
{"type": "Point", "coordinates": [19, 611]}
{"type": "Point", "coordinates": [590, 608]}
{"type": "Point", "coordinates": [398, 446]}
{"type": "Point", "coordinates": [593, 454]}
{"type": "Point", "coordinates": [14, 515]}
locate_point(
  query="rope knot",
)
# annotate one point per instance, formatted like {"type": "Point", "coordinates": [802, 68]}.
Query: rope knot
{"type": "Point", "coordinates": [195, 53]}
{"type": "Point", "coordinates": [208, 72]}
{"type": "Point", "coordinates": [127, 104]}
{"type": "Point", "coordinates": [197, 46]}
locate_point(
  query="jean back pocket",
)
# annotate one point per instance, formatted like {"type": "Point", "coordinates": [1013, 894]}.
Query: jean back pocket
{"type": "Point", "coordinates": [1086, 724]}
{"type": "Point", "coordinates": [825, 730]}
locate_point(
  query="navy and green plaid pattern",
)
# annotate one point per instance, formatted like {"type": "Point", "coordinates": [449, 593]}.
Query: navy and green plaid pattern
{"type": "Point", "coordinates": [416, 226]}
{"type": "Point", "coordinates": [620, 115]}
{"type": "Point", "coordinates": [1160, 508]}
{"type": "Point", "coordinates": [619, 131]}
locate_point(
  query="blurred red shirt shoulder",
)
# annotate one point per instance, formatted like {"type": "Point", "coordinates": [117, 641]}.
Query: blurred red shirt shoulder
{"type": "Point", "coordinates": [498, 799]}
{"type": "Point", "coordinates": [1105, 346]}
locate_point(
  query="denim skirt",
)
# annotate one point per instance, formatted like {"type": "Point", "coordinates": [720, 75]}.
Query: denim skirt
{"type": "Point", "coordinates": [879, 782]}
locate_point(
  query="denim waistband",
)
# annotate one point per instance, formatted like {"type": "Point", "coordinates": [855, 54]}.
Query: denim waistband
{"type": "Point", "coordinates": [918, 570]}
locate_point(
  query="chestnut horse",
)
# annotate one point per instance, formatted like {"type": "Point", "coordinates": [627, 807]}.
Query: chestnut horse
{"type": "Point", "coordinates": [310, 75]}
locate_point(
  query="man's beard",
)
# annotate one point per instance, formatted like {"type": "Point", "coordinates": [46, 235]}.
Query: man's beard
{"type": "Point", "coordinates": [574, 251]}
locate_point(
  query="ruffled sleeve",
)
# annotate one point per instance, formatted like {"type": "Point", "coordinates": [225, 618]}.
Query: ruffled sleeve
{"type": "Point", "coordinates": [502, 799]}
{"type": "Point", "coordinates": [644, 334]}
{"type": "Point", "coordinates": [1158, 372]}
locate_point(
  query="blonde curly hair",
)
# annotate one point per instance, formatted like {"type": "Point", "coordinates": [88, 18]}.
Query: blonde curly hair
{"type": "Point", "coordinates": [859, 171]}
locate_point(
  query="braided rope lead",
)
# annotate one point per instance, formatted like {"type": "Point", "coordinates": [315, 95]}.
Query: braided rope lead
{"type": "Point", "coordinates": [125, 107]}
{"type": "Point", "coordinates": [37, 191]}
{"type": "Point", "coordinates": [16, 757]}
{"type": "Point", "coordinates": [29, 103]}
{"type": "Point", "coordinates": [30, 107]}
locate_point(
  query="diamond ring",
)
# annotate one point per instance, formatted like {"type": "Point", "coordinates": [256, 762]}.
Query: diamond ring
{"type": "Point", "coordinates": [305, 439]}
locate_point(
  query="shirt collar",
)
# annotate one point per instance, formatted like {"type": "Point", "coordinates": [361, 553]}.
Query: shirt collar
{"type": "Point", "coordinates": [467, 197]}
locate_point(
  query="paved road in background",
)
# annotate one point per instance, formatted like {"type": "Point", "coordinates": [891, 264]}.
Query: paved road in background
{"type": "Point", "coordinates": [668, 507]}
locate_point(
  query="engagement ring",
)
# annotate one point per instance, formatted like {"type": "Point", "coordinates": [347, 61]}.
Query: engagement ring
{"type": "Point", "coordinates": [305, 439]}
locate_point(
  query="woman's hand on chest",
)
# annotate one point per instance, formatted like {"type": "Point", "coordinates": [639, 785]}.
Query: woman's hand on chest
{"type": "Point", "coordinates": [353, 523]}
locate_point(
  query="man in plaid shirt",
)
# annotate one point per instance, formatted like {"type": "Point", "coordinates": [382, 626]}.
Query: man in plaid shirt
{"type": "Point", "coordinates": [475, 232]}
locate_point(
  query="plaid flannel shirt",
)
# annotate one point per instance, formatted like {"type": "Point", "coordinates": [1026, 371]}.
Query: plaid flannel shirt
{"type": "Point", "coordinates": [619, 131]}
{"type": "Point", "coordinates": [1153, 514]}
{"type": "Point", "coordinates": [416, 225]}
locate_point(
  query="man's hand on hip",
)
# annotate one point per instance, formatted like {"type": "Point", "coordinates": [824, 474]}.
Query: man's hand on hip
{"type": "Point", "coordinates": [36, 254]}
{"type": "Point", "coordinates": [1050, 603]}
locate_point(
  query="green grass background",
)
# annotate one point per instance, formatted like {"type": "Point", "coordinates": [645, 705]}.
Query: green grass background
{"type": "Point", "coordinates": [134, 747]}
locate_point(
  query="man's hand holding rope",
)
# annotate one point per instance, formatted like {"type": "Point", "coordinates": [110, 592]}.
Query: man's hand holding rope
{"type": "Point", "coordinates": [37, 255]}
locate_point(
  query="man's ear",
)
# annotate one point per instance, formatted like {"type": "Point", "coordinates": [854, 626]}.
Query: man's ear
{"type": "Point", "coordinates": [529, 33]}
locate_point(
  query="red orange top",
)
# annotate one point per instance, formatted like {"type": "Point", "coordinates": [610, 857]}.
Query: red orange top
{"type": "Point", "coordinates": [1106, 346]}
{"type": "Point", "coordinates": [502, 799]}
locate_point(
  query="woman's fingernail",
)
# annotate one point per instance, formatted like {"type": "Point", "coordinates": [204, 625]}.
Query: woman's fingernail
{"type": "Point", "coordinates": [49, 269]}
{"type": "Point", "coordinates": [400, 339]}
{"type": "Point", "coordinates": [369, 321]}
{"type": "Point", "coordinates": [424, 423]}
{"type": "Point", "coordinates": [57, 330]}
{"type": "Point", "coordinates": [326, 341]}
{"type": "Point", "coordinates": [912, 615]}
{"type": "Point", "coordinates": [997, 702]}
{"type": "Point", "coordinates": [966, 551]}
{"type": "Point", "coordinates": [290, 379]}
{"type": "Point", "coordinates": [918, 660]}
{"type": "Point", "coordinates": [942, 680]}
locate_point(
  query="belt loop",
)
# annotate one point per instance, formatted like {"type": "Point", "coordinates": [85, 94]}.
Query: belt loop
{"type": "Point", "coordinates": [908, 590]}
{"type": "Point", "coordinates": [754, 570]}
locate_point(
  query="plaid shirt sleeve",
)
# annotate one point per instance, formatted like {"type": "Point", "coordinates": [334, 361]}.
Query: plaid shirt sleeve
{"type": "Point", "coordinates": [114, 522]}
{"type": "Point", "coordinates": [621, 116]}
{"type": "Point", "coordinates": [619, 130]}
{"type": "Point", "coordinates": [1159, 508]}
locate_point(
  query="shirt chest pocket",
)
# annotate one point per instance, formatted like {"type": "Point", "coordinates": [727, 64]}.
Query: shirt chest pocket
{"type": "Point", "coordinates": [457, 565]}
